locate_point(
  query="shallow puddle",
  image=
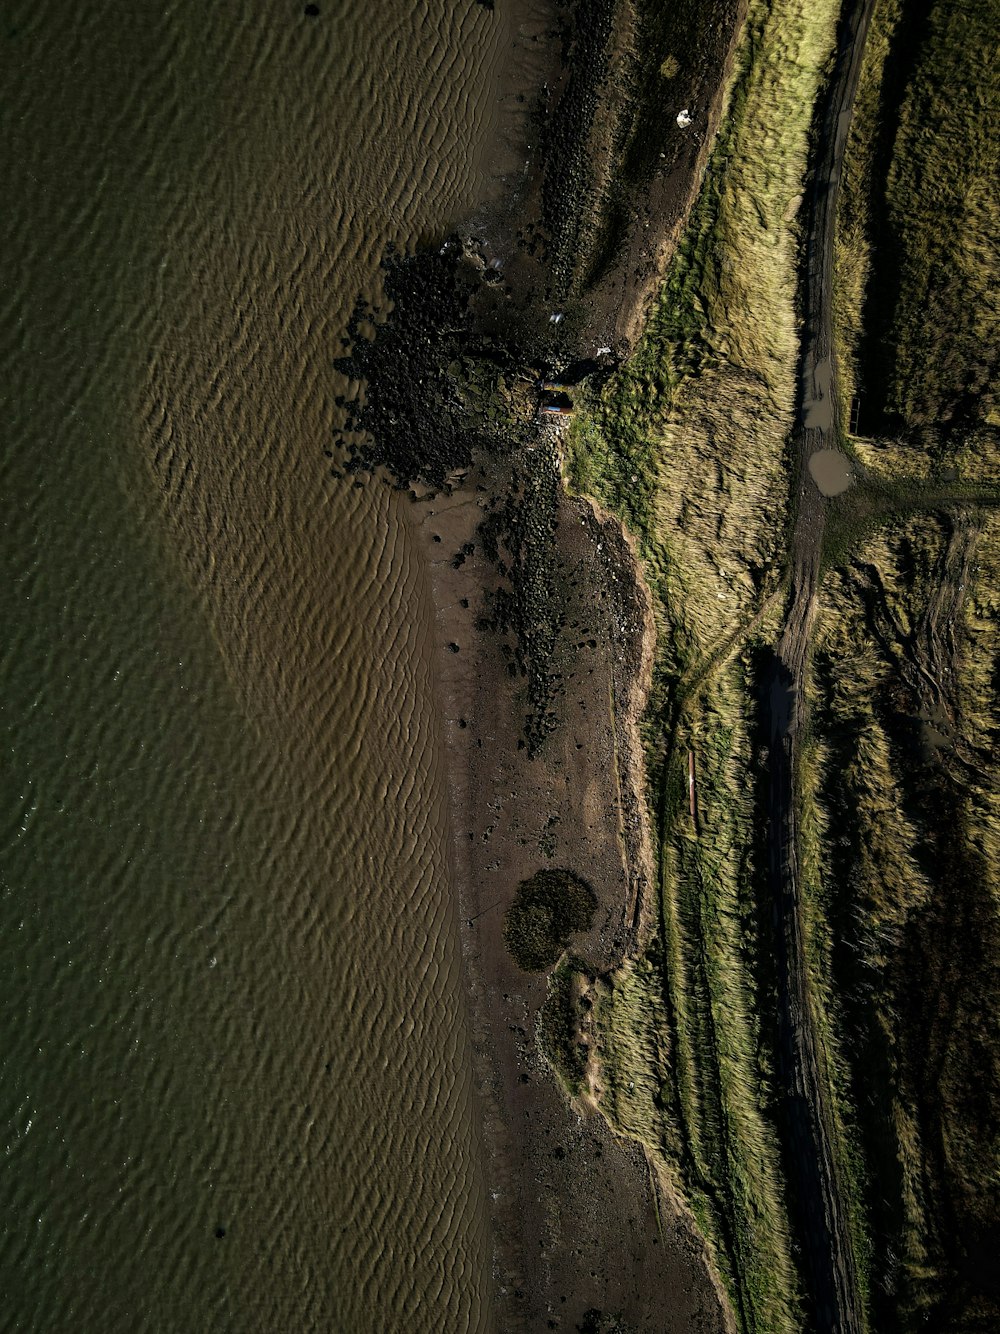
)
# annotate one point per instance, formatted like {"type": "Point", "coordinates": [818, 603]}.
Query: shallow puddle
{"type": "Point", "coordinates": [831, 471]}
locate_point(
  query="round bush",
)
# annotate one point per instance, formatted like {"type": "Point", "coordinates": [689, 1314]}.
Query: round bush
{"type": "Point", "coordinates": [546, 911]}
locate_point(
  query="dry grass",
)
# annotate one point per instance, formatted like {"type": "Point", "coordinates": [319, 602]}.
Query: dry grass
{"type": "Point", "coordinates": [905, 859]}
{"type": "Point", "coordinates": [918, 269]}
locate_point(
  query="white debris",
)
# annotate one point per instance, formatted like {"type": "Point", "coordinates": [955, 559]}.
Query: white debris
{"type": "Point", "coordinates": [684, 118]}
{"type": "Point", "coordinates": [554, 319]}
{"type": "Point", "coordinates": [604, 351]}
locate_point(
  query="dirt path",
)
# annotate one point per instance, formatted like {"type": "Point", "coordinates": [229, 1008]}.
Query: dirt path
{"type": "Point", "coordinates": [823, 1227]}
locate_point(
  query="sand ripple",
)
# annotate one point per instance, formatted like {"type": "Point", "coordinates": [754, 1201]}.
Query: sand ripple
{"type": "Point", "coordinates": [239, 999]}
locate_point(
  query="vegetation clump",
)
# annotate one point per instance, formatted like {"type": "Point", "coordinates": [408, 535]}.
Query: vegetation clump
{"type": "Point", "coordinates": [559, 1025]}
{"type": "Point", "coordinates": [547, 910]}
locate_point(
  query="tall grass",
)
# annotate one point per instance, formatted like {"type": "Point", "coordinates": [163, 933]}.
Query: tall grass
{"type": "Point", "coordinates": [684, 1065]}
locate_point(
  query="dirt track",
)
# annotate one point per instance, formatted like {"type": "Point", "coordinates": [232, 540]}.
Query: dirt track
{"type": "Point", "coordinates": [822, 1218]}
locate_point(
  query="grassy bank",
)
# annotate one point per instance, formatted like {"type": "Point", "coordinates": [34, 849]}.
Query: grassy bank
{"type": "Point", "coordinates": [898, 801]}
{"type": "Point", "coordinates": [687, 445]}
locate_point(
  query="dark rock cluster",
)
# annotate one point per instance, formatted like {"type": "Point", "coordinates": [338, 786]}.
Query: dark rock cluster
{"type": "Point", "coordinates": [432, 380]}
{"type": "Point", "coordinates": [527, 609]}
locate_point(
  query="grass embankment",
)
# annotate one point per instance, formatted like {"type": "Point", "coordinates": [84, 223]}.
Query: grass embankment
{"type": "Point", "coordinates": [918, 263]}
{"type": "Point", "coordinates": [687, 445]}
{"type": "Point", "coordinates": [905, 688]}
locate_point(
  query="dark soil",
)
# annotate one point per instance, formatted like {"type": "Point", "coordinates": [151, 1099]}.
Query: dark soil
{"type": "Point", "coordinates": [579, 1223]}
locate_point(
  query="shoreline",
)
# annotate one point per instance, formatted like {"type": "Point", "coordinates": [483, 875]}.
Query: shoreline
{"type": "Point", "coordinates": [583, 1227]}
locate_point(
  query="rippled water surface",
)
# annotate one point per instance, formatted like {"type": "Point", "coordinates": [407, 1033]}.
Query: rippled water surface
{"type": "Point", "coordinates": [235, 1081]}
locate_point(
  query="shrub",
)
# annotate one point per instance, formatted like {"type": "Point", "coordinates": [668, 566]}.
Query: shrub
{"type": "Point", "coordinates": [547, 909]}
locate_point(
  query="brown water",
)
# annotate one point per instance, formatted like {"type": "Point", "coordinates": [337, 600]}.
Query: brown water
{"type": "Point", "coordinates": [235, 1066]}
{"type": "Point", "coordinates": [831, 470]}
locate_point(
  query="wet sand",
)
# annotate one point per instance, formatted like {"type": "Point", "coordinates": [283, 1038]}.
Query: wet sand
{"type": "Point", "coordinates": [578, 1222]}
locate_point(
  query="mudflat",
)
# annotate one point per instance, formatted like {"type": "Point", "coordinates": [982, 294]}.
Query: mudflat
{"type": "Point", "coordinates": [580, 1223]}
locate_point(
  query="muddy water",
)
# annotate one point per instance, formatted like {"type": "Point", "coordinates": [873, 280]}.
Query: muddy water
{"type": "Point", "coordinates": [235, 1082]}
{"type": "Point", "coordinates": [831, 471]}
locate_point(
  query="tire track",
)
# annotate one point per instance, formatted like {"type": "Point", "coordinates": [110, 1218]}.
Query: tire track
{"type": "Point", "coordinates": [823, 1226]}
